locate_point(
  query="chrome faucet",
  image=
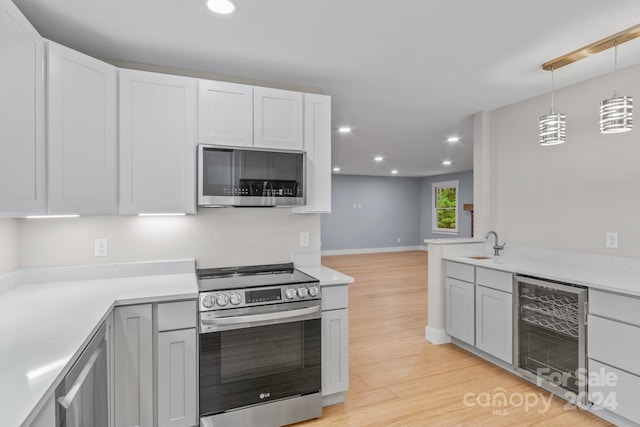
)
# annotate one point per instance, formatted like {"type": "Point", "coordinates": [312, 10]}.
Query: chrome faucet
{"type": "Point", "coordinates": [496, 247]}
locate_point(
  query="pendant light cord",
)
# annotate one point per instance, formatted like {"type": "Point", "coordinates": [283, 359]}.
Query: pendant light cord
{"type": "Point", "coordinates": [615, 70]}
{"type": "Point", "coordinates": [552, 92]}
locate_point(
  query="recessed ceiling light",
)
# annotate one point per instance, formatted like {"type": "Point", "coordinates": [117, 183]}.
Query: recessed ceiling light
{"type": "Point", "coordinates": [222, 7]}
{"type": "Point", "coordinates": [336, 169]}
{"type": "Point", "coordinates": [378, 158]}
{"type": "Point", "coordinates": [453, 139]}
{"type": "Point", "coordinates": [344, 129]}
{"type": "Point", "coordinates": [394, 172]}
{"type": "Point", "coordinates": [446, 162]}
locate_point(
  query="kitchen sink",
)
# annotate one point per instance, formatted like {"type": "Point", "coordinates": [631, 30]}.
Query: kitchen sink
{"type": "Point", "coordinates": [480, 257]}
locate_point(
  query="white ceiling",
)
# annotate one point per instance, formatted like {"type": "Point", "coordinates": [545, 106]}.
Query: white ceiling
{"type": "Point", "coordinates": [405, 74]}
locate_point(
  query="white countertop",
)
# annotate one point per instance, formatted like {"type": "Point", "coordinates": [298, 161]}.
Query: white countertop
{"type": "Point", "coordinates": [454, 240]}
{"type": "Point", "coordinates": [326, 275]}
{"type": "Point", "coordinates": [45, 326]}
{"type": "Point", "coordinates": [47, 316]}
{"type": "Point", "coordinates": [587, 273]}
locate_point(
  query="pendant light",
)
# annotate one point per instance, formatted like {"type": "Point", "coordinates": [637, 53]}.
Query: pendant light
{"type": "Point", "coordinates": [553, 125]}
{"type": "Point", "coordinates": [616, 113]}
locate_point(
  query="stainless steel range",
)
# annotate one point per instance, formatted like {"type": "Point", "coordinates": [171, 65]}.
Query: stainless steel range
{"type": "Point", "coordinates": [259, 335]}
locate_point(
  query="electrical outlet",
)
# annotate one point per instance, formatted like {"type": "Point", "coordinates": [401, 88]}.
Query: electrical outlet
{"type": "Point", "coordinates": [304, 238]}
{"type": "Point", "coordinates": [398, 240]}
{"type": "Point", "coordinates": [101, 247]}
{"type": "Point", "coordinates": [612, 240]}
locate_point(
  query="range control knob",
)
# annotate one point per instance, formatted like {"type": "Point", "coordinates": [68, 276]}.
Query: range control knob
{"type": "Point", "coordinates": [290, 293]}
{"type": "Point", "coordinates": [314, 291]}
{"type": "Point", "coordinates": [303, 292]}
{"type": "Point", "coordinates": [235, 298]}
{"type": "Point", "coordinates": [222, 300]}
{"type": "Point", "coordinates": [208, 301]}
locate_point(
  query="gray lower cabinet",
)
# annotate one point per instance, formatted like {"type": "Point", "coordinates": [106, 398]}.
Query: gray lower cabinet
{"type": "Point", "coordinates": [479, 308]}
{"type": "Point", "coordinates": [459, 318]}
{"type": "Point", "coordinates": [133, 357]}
{"type": "Point", "coordinates": [613, 348]}
{"type": "Point", "coordinates": [494, 322]}
{"type": "Point", "coordinates": [335, 344]}
{"type": "Point", "coordinates": [172, 400]}
{"type": "Point", "coordinates": [177, 384]}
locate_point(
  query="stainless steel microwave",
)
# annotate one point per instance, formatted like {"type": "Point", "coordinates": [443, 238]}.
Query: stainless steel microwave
{"type": "Point", "coordinates": [253, 178]}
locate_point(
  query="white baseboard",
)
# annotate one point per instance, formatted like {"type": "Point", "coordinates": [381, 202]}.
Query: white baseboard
{"type": "Point", "coordinates": [436, 336]}
{"type": "Point", "coordinates": [373, 250]}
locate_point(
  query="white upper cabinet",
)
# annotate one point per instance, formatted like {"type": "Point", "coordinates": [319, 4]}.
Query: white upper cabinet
{"type": "Point", "coordinates": [22, 133]}
{"type": "Point", "coordinates": [317, 144]}
{"type": "Point", "coordinates": [81, 131]}
{"type": "Point", "coordinates": [157, 143]}
{"type": "Point", "coordinates": [277, 117]}
{"type": "Point", "coordinates": [225, 113]}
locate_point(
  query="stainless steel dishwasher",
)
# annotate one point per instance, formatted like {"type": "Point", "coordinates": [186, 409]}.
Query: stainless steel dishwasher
{"type": "Point", "coordinates": [82, 396]}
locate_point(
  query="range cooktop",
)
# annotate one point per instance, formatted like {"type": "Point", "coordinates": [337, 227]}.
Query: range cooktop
{"type": "Point", "coordinates": [216, 279]}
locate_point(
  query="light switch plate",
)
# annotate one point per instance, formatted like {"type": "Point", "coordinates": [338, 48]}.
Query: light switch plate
{"type": "Point", "coordinates": [101, 247]}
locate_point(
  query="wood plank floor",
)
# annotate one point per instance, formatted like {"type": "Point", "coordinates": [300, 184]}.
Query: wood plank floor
{"type": "Point", "coordinates": [399, 379]}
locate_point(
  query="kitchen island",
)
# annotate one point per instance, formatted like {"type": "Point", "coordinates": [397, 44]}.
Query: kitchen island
{"type": "Point", "coordinates": [479, 315]}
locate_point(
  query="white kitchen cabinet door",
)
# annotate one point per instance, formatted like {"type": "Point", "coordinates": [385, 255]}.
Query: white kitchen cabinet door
{"type": "Point", "coordinates": [335, 351]}
{"type": "Point", "coordinates": [277, 118]}
{"type": "Point", "coordinates": [22, 109]}
{"type": "Point", "coordinates": [81, 130]}
{"type": "Point", "coordinates": [177, 382]}
{"type": "Point", "coordinates": [459, 310]}
{"type": "Point", "coordinates": [133, 354]}
{"type": "Point", "coordinates": [317, 145]}
{"type": "Point", "coordinates": [157, 143]}
{"type": "Point", "coordinates": [494, 323]}
{"type": "Point", "coordinates": [225, 113]}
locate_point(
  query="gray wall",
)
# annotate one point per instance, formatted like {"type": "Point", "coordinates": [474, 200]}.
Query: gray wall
{"type": "Point", "coordinates": [390, 209]}
{"type": "Point", "coordinates": [568, 196]}
{"type": "Point", "coordinates": [465, 195]}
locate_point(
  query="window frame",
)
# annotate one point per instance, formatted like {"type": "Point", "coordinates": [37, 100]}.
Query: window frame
{"type": "Point", "coordinates": [434, 210]}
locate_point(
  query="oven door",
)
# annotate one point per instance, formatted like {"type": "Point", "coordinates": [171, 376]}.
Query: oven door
{"type": "Point", "coordinates": [249, 358]}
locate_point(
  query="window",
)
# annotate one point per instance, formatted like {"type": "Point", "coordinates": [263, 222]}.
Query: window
{"type": "Point", "coordinates": [445, 207]}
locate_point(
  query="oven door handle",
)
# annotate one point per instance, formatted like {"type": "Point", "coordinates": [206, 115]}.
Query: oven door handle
{"type": "Point", "coordinates": [261, 317]}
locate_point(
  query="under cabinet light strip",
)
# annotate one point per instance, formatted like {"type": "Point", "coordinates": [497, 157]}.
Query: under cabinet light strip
{"type": "Point", "coordinates": [162, 214]}
{"type": "Point", "coordinates": [593, 48]}
{"type": "Point", "coordinates": [50, 216]}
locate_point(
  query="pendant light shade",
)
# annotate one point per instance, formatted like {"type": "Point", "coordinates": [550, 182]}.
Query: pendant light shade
{"type": "Point", "coordinates": [616, 114]}
{"type": "Point", "coordinates": [552, 126]}
{"type": "Point", "coordinates": [552, 129]}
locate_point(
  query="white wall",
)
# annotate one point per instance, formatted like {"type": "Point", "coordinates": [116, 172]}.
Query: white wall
{"type": "Point", "coordinates": [9, 245]}
{"type": "Point", "coordinates": [214, 237]}
{"type": "Point", "coordinates": [567, 196]}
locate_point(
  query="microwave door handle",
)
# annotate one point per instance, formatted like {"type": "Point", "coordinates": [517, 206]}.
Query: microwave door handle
{"type": "Point", "coordinates": [261, 317]}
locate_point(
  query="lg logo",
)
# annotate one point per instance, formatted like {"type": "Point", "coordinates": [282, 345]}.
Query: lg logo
{"type": "Point", "coordinates": [264, 395]}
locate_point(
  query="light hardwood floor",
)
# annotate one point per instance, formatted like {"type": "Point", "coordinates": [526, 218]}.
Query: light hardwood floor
{"type": "Point", "coordinates": [399, 379]}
